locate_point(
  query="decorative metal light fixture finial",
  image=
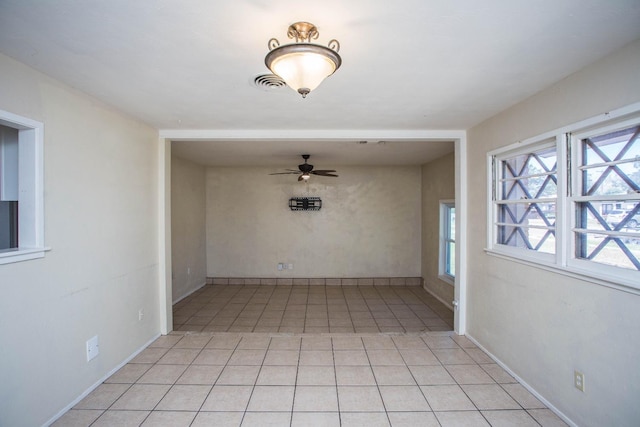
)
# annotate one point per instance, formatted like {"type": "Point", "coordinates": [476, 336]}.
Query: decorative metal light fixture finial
{"type": "Point", "coordinates": [303, 65]}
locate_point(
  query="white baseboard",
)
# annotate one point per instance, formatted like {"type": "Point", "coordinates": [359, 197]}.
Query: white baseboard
{"type": "Point", "coordinates": [100, 381]}
{"type": "Point", "coordinates": [524, 384]}
{"type": "Point", "coordinates": [430, 292]}
{"type": "Point", "coordinates": [189, 293]}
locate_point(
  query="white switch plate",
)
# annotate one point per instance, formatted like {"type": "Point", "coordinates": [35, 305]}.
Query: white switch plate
{"type": "Point", "coordinates": [578, 380]}
{"type": "Point", "coordinates": [93, 348]}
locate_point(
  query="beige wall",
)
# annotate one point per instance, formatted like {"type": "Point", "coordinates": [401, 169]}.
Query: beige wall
{"type": "Point", "coordinates": [438, 183]}
{"type": "Point", "coordinates": [369, 225]}
{"type": "Point", "coordinates": [100, 192]}
{"type": "Point", "coordinates": [541, 324]}
{"type": "Point", "coordinates": [188, 231]}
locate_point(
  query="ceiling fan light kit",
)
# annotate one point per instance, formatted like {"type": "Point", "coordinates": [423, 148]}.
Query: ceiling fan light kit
{"type": "Point", "coordinates": [303, 65]}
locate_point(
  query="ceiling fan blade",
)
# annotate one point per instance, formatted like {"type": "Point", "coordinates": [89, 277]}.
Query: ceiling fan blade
{"type": "Point", "coordinates": [305, 170]}
{"type": "Point", "coordinates": [325, 174]}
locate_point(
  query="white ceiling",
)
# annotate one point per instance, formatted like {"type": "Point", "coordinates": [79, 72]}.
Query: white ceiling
{"type": "Point", "coordinates": [324, 153]}
{"type": "Point", "coordinates": [409, 65]}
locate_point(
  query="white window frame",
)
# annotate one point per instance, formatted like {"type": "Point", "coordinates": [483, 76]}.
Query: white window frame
{"type": "Point", "coordinates": [589, 267]}
{"type": "Point", "coordinates": [564, 261]}
{"type": "Point", "coordinates": [495, 159]}
{"type": "Point", "coordinates": [30, 189]}
{"type": "Point", "coordinates": [445, 207]}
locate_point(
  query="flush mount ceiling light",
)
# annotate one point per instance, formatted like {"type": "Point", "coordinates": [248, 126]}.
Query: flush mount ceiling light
{"type": "Point", "coordinates": [303, 65]}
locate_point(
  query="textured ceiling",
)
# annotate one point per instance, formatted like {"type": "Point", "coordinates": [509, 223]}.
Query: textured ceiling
{"type": "Point", "coordinates": [409, 65]}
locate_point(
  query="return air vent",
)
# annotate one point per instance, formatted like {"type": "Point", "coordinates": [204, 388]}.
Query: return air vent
{"type": "Point", "coordinates": [269, 82]}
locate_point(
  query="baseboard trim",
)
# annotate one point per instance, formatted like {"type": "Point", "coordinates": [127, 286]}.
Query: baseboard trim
{"type": "Point", "coordinates": [189, 293]}
{"type": "Point", "coordinates": [100, 381]}
{"type": "Point", "coordinates": [524, 384]}
{"type": "Point", "coordinates": [446, 303]}
{"type": "Point", "coordinates": [316, 281]}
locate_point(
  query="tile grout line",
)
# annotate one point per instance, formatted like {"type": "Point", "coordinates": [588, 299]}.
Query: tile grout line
{"type": "Point", "coordinates": [226, 288]}
{"type": "Point", "coordinates": [218, 377]}
{"type": "Point", "coordinates": [335, 376]}
{"type": "Point", "coordinates": [416, 314]}
{"type": "Point", "coordinates": [174, 383]}
{"type": "Point", "coordinates": [335, 373]}
{"type": "Point", "coordinates": [246, 409]}
{"type": "Point", "coordinates": [366, 351]}
{"type": "Point", "coordinates": [464, 391]}
{"type": "Point", "coordinates": [414, 377]}
{"type": "Point", "coordinates": [295, 383]}
{"type": "Point", "coordinates": [189, 365]}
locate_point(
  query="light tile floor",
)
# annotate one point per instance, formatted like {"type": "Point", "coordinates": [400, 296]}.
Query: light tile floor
{"type": "Point", "coordinates": [311, 379]}
{"type": "Point", "coordinates": [316, 309]}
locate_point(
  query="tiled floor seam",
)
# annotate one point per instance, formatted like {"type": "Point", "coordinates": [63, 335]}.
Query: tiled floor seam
{"type": "Point", "coordinates": [256, 381]}
{"type": "Point", "coordinates": [217, 379]}
{"type": "Point", "coordinates": [377, 383]}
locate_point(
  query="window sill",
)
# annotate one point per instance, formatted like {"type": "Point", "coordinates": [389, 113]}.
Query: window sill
{"type": "Point", "coordinates": [587, 276]}
{"type": "Point", "coordinates": [22, 254]}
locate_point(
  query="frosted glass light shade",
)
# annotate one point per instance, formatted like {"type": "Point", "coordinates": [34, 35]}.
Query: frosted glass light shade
{"type": "Point", "coordinates": [303, 66]}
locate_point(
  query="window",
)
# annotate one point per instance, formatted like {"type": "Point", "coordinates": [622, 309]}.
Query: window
{"type": "Point", "coordinates": [608, 174]}
{"type": "Point", "coordinates": [8, 188]}
{"type": "Point", "coordinates": [21, 184]}
{"type": "Point", "coordinates": [447, 241]}
{"type": "Point", "coordinates": [570, 199]}
{"type": "Point", "coordinates": [527, 191]}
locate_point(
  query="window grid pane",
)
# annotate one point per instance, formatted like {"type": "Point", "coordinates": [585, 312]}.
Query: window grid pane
{"type": "Point", "coordinates": [8, 225]}
{"type": "Point", "coordinates": [450, 267]}
{"type": "Point", "coordinates": [447, 240]}
{"type": "Point", "coordinates": [526, 204]}
{"type": "Point", "coordinates": [608, 231]}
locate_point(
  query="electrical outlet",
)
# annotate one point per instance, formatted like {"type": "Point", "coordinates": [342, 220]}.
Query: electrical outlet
{"type": "Point", "coordinates": [93, 349]}
{"type": "Point", "coordinates": [578, 380]}
{"type": "Point", "coordinates": [290, 266]}
{"type": "Point", "coordinates": [140, 314]}
{"type": "Point", "coordinates": [280, 266]}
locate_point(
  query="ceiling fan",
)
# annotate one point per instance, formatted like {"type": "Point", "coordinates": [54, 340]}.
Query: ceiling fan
{"type": "Point", "coordinates": [306, 170]}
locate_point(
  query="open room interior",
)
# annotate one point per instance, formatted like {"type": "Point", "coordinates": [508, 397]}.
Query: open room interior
{"type": "Point", "coordinates": [459, 247]}
{"type": "Point", "coordinates": [232, 225]}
